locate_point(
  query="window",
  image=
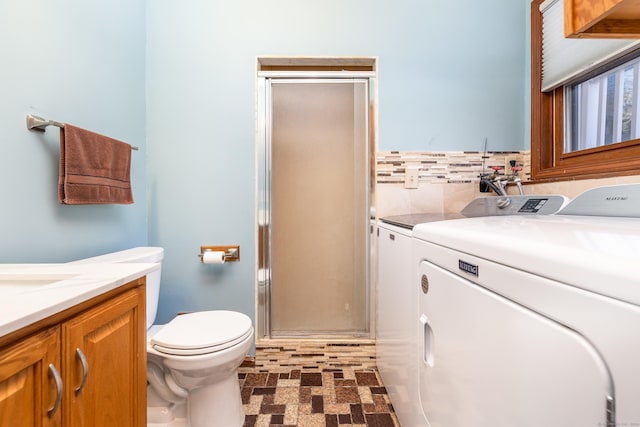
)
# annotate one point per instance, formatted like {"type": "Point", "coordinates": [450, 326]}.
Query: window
{"type": "Point", "coordinates": [603, 110]}
{"type": "Point", "coordinates": [588, 127]}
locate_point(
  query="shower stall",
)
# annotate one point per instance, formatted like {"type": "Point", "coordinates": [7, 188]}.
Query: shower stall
{"type": "Point", "coordinates": [315, 196]}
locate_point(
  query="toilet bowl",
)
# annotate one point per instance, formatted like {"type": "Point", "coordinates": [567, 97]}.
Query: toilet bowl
{"type": "Point", "coordinates": [202, 352]}
{"type": "Point", "coordinates": [192, 361]}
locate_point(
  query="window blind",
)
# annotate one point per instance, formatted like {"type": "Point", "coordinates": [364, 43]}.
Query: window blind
{"type": "Point", "coordinates": [564, 59]}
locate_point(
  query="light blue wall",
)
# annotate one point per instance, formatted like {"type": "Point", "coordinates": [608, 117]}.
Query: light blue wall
{"type": "Point", "coordinates": [80, 62]}
{"type": "Point", "coordinates": [451, 73]}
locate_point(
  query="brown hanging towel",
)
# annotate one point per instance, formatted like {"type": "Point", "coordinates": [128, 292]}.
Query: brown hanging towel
{"type": "Point", "coordinates": [94, 169]}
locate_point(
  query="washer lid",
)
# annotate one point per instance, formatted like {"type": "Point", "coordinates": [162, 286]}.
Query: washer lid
{"type": "Point", "coordinates": [205, 330]}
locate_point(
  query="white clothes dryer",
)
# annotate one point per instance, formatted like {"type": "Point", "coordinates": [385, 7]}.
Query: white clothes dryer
{"type": "Point", "coordinates": [397, 335]}
{"type": "Point", "coordinates": [532, 320]}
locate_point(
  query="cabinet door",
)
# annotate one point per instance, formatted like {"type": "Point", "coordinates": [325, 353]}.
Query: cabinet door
{"type": "Point", "coordinates": [27, 384]}
{"type": "Point", "coordinates": [104, 362]}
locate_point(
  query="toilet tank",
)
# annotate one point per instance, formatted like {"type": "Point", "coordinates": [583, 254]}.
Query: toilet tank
{"type": "Point", "coordinates": [145, 254]}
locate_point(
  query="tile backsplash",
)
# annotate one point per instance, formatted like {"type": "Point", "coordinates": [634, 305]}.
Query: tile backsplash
{"type": "Point", "coordinates": [447, 181]}
{"type": "Point", "coordinates": [445, 167]}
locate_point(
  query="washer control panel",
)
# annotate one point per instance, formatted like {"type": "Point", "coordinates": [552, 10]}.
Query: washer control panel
{"type": "Point", "coordinates": [533, 205]}
{"type": "Point", "coordinates": [515, 205]}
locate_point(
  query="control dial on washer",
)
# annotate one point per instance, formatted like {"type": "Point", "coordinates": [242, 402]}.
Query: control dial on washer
{"type": "Point", "coordinates": [503, 202]}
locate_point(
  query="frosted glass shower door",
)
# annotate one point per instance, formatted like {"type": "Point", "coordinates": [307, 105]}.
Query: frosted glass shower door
{"type": "Point", "coordinates": [319, 207]}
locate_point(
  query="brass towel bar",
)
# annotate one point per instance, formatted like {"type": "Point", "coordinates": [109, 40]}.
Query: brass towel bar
{"type": "Point", "coordinates": [39, 124]}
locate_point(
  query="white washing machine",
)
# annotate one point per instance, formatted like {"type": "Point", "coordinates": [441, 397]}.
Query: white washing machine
{"type": "Point", "coordinates": [396, 304]}
{"type": "Point", "coordinates": [532, 320]}
{"type": "Point", "coordinates": [396, 308]}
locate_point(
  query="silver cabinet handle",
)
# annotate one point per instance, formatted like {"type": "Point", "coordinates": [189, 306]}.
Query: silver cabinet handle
{"type": "Point", "coordinates": [58, 379]}
{"type": "Point", "coordinates": [85, 370]}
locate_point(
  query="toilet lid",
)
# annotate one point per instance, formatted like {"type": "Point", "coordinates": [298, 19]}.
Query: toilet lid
{"type": "Point", "coordinates": [202, 332]}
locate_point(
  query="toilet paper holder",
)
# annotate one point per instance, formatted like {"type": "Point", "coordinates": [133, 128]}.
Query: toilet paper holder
{"type": "Point", "coordinates": [231, 252]}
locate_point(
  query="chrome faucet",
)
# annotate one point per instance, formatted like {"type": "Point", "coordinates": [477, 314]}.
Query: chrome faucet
{"type": "Point", "coordinates": [503, 180]}
{"type": "Point", "coordinates": [498, 182]}
{"type": "Point", "coordinates": [488, 182]}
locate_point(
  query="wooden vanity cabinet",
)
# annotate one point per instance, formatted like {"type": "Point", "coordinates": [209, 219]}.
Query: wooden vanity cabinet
{"type": "Point", "coordinates": [99, 350]}
{"type": "Point", "coordinates": [602, 18]}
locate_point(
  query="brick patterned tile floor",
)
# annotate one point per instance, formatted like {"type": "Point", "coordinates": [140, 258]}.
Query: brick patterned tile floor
{"type": "Point", "coordinates": [315, 384]}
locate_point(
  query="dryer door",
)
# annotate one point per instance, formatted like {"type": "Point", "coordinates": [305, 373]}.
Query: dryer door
{"type": "Point", "coordinates": [487, 361]}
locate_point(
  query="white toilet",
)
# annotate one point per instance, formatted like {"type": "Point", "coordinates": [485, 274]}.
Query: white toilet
{"type": "Point", "coordinates": [192, 361]}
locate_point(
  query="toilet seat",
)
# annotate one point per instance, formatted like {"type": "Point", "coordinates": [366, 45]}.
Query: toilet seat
{"type": "Point", "coordinates": [202, 332]}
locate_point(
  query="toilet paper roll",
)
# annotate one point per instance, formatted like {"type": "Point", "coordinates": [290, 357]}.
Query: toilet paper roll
{"type": "Point", "coordinates": [213, 257]}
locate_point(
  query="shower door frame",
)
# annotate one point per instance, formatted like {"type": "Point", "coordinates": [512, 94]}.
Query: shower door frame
{"type": "Point", "coordinates": [263, 211]}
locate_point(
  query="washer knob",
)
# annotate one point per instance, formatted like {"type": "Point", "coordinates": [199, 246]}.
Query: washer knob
{"type": "Point", "coordinates": [503, 202]}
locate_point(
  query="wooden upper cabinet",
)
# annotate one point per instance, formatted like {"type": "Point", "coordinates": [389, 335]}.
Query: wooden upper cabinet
{"type": "Point", "coordinates": [602, 18]}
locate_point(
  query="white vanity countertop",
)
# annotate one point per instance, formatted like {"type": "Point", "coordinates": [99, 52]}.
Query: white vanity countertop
{"type": "Point", "coordinates": [32, 292]}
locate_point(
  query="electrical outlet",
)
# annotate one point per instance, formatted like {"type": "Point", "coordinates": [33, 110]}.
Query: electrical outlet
{"type": "Point", "coordinates": [507, 164]}
{"type": "Point", "coordinates": [411, 178]}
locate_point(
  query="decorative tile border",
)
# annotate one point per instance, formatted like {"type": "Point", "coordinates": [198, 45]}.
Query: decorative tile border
{"type": "Point", "coordinates": [445, 166]}
{"type": "Point", "coordinates": [283, 354]}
